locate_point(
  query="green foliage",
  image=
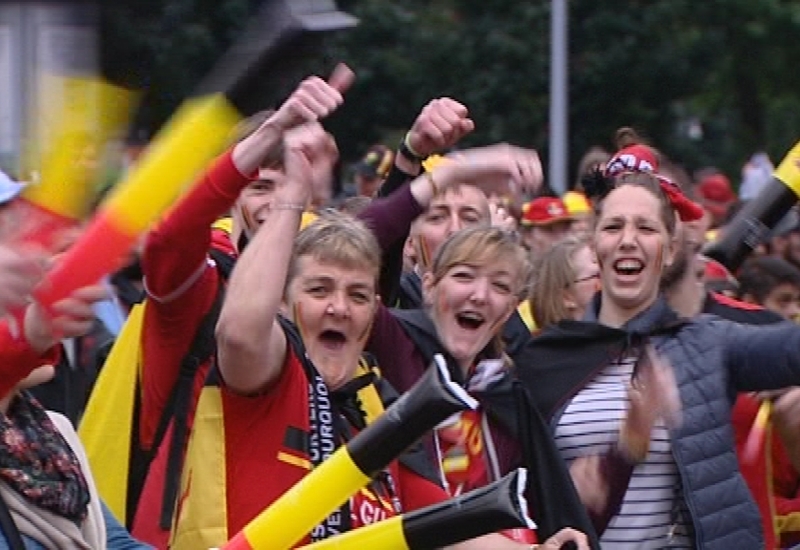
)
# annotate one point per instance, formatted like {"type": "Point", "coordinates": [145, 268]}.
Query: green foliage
{"type": "Point", "coordinates": [662, 66]}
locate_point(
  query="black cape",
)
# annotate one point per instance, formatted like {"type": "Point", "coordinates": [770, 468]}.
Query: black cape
{"type": "Point", "coordinates": [550, 492]}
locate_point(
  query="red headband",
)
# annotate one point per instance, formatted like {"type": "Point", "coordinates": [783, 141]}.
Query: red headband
{"type": "Point", "coordinates": [640, 158]}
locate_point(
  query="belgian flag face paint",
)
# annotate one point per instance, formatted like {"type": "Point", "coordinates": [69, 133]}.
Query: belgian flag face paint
{"type": "Point", "coordinates": [424, 251]}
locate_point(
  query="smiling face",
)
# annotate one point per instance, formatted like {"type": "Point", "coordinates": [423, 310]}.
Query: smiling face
{"type": "Point", "coordinates": [333, 307]}
{"type": "Point", "coordinates": [580, 292]}
{"type": "Point", "coordinates": [633, 246]}
{"type": "Point", "coordinates": [455, 209]}
{"type": "Point", "coordinates": [473, 289]}
{"type": "Point", "coordinates": [254, 202]}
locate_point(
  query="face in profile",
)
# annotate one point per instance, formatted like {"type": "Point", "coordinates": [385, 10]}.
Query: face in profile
{"type": "Point", "coordinates": [580, 292]}
{"type": "Point", "coordinates": [254, 202]}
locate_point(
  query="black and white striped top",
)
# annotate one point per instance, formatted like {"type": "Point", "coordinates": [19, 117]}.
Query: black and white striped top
{"type": "Point", "coordinates": [589, 426]}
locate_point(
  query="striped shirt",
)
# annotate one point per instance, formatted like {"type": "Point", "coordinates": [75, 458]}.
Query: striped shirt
{"type": "Point", "coordinates": [590, 426]}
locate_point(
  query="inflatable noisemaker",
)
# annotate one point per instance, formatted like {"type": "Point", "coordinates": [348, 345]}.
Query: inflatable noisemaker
{"type": "Point", "coordinates": [497, 506]}
{"type": "Point", "coordinates": [92, 111]}
{"type": "Point", "coordinates": [434, 398]}
{"type": "Point", "coordinates": [750, 227]}
{"type": "Point", "coordinates": [275, 41]}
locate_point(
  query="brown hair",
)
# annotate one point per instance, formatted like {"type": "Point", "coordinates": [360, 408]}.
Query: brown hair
{"type": "Point", "coordinates": [594, 157]}
{"type": "Point", "coordinates": [555, 271]}
{"type": "Point", "coordinates": [650, 182]}
{"type": "Point", "coordinates": [337, 238]}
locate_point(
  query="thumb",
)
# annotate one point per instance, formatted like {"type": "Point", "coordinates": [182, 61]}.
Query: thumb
{"type": "Point", "coordinates": [341, 78]}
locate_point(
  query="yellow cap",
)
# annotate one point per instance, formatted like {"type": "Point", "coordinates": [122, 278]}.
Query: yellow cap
{"type": "Point", "coordinates": [576, 202]}
{"type": "Point", "coordinates": [306, 219]}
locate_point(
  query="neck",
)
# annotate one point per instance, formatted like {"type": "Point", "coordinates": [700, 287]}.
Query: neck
{"type": "Point", "coordinates": [614, 316]}
{"type": "Point", "coordinates": [686, 295]}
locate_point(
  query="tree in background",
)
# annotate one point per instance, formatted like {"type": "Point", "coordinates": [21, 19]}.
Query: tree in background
{"type": "Point", "coordinates": [709, 82]}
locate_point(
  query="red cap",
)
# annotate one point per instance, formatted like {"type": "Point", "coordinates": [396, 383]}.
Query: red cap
{"type": "Point", "coordinates": [716, 194]}
{"type": "Point", "coordinates": [633, 158]}
{"type": "Point", "coordinates": [544, 211]}
{"type": "Point", "coordinates": [717, 277]}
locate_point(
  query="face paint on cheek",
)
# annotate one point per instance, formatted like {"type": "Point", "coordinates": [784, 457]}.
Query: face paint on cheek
{"type": "Point", "coordinates": [424, 251]}
{"type": "Point", "coordinates": [247, 218]}
{"type": "Point", "coordinates": [298, 320]}
{"type": "Point", "coordinates": [660, 258]}
{"type": "Point", "coordinates": [442, 304]}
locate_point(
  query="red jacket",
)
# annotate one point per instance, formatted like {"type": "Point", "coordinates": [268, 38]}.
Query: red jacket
{"type": "Point", "coordinates": [181, 283]}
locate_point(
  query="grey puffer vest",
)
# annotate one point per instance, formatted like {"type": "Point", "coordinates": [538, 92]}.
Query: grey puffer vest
{"type": "Point", "coordinates": [713, 359]}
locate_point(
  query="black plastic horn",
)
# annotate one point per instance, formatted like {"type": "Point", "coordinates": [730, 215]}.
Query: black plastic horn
{"type": "Point", "coordinates": [750, 227]}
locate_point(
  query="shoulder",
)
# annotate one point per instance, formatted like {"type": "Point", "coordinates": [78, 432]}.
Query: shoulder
{"type": "Point", "coordinates": [738, 311]}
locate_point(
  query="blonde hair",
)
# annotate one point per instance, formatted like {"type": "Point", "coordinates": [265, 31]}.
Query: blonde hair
{"type": "Point", "coordinates": [481, 246]}
{"type": "Point", "coordinates": [337, 238]}
{"type": "Point", "coordinates": [555, 272]}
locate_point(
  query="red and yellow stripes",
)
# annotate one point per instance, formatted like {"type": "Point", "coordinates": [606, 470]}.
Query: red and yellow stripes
{"type": "Point", "coordinates": [303, 506]}
{"type": "Point", "coordinates": [197, 133]}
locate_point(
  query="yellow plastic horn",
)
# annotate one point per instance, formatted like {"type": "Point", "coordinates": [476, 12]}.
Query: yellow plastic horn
{"type": "Point", "coordinates": [433, 398]}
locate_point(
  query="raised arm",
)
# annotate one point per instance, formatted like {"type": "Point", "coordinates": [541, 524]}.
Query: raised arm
{"type": "Point", "coordinates": [761, 358]}
{"type": "Point", "coordinates": [250, 341]}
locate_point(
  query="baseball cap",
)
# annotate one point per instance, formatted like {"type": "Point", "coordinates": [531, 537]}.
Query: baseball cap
{"type": "Point", "coordinates": [376, 163]}
{"type": "Point", "coordinates": [717, 277]}
{"type": "Point", "coordinates": [545, 211]}
{"type": "Point", "coordinates": [716, 194]}
{"type": "Point", "coordinates": [576, 203]}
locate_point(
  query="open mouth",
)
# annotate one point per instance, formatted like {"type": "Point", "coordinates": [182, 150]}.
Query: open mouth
{"type": "Point", "coordinates": [469, 320]}
{"type": "Point", "coordinates": [628, 267]}
{"type": "Point", "coordinates": [332, 339]}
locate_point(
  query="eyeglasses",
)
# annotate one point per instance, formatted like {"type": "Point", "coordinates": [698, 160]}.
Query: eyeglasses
{"type": "Point", "coordinates": [587, 278]}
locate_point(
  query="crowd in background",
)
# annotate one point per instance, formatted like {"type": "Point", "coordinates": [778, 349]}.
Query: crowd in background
{"type": "Point", "coordinates": [607, 354]}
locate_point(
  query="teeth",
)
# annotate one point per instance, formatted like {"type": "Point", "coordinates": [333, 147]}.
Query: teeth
{"type": "Point", "coordinates": [629, 264]}
{"type": "Point", "coordinates": [471, 316]}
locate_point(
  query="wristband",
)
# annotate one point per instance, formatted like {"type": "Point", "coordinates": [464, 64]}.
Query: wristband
{"type": "Point", "coordinates": [408, 152]}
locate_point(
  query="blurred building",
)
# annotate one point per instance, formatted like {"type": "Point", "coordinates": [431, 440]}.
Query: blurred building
{"type": "Point", "coordinates": [40, 43]}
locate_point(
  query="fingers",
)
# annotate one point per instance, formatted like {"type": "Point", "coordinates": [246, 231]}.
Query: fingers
{"type": "Point", "coordinates": [527, 170]}
{"type": "Point", "coordinates": [309, 156]}
{"type": "Point", "coordinates": [19, 273]}
{"type": "Point", "coordinates": [341, 78]}
{"type": "Point", "coordinates": [439, 126]}
{"type": "Point", "coordinates": [315, 99]}
{"type": "Point", "coordinates": [74, 315]}
{"type": "Point", "coordinates": [664, 393]}
{"type": "Point", "coordinates": [566, 535]}
{"type": "Point", "coordinates": [501, 218]}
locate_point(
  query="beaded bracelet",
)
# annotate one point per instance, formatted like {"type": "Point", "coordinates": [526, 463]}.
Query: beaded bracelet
{"type": "Point", "coordinates": [289, 206]}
